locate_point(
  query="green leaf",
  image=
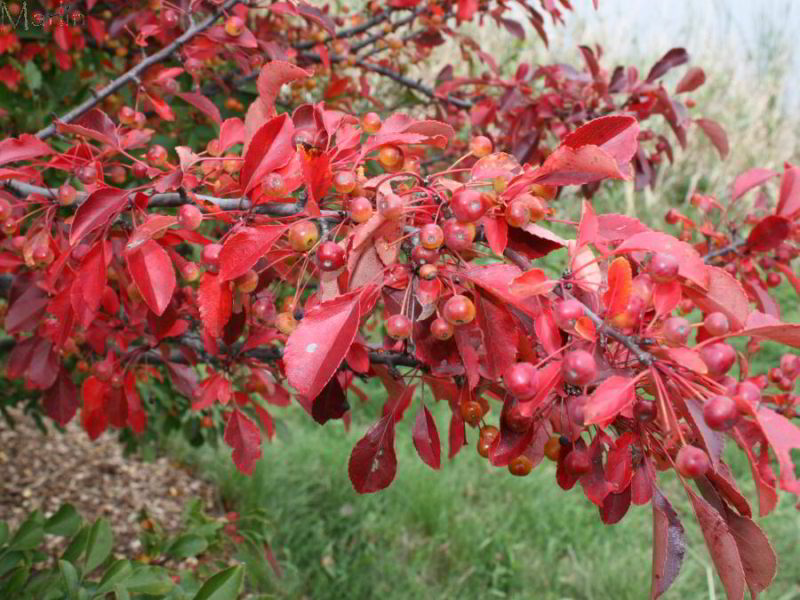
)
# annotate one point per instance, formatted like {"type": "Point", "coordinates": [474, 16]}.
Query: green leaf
{"type": "Point", "coordinates": [149, 580]}
{"type": "Point", "coordinates": [3, 532]}
{"type": "Point", "coordinates": [99, 545]}
{"type": "Point", "coordinates": [29, 535]}
{"type": "Point", "coordinates": [187, 545]}
{"type": "Point", "coordinates": [121, 593]}
{"type": "Point", "coordinates": [225, 585]}
{"type": "Point", "coordinates": [33, 76]}
{"type": "Point", "coordinates": [118, 572]}
{"type": "Point", "coordinates": [77, 545]}
{"type": "Point", "coordinates": [16, 581]}
{"type": "Point", "coordinates": [9, 560]}
{"type": "Point", "coordinates": [66, 522]}
{"type": "Point", "coordinates": [70, 576]}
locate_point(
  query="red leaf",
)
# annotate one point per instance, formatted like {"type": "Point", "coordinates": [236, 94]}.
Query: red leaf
{"type": "Point", "coordinates": [203, 104]}
{"type": "Point", "coordinates": [669, 544]}
{"type": "Point", "coordinates": [272, 76]}
{"type": "Point", "coordinates": [160, 106]}
{"type": "Point", "coordinates": [589, 225]}
{"type": "Point", "coordinates": [99, 209]}
{"type": "Point", "coordinates": [330, 404]}
{"type": "Point", "coordinates": [496, 280]}
{"type": "Point", "coordinates": [616, 135]}
{"type": "Point", "coordinates": [693, 79]}
{"type": "Point", "coordinates": [748, 180]}
{"type": "Point", "coordinates": [691, 264]}
{"type": "Point", "coordinates": [93, 414]}
{"type": "Point", "coordinates": [215, 301]}
{"type": "Point", "coordinates": [25, 147]}
{"type": "Point", "coordinates": [725, 294]}
{"type": "Point", "coordinates": [789, 198]}
{"type": "Point", "coordinates": [533, 282]}
{"type": "Point", "coordinates": [610, 398]}
{"type": "Point", "coordinates": [95, 125]}
{"type": "Point", "coordinates": [666, 297]}
{"type": "Point", "coordinates": [244, 437]}
{"type": "Point", "coordinates": [615, 506]}
{"type": "Point", "coordinates": [151, 269]}
{"type": "Point", "coordinates": [620, 284]}
{"type": "Point", "coordinates": [91, 278]}
{"type": "Point", "coordinates": [243, 249]}
{"type": "Point", "coordinates": [570, 166]}
{"type": "Point", "coordinates": [500, 335]}
{"type": "Point", "coordinates": [768, 234]}
{"type": "Point", "coordinates": [721, 546]}
{"type": "Point", "coordinates": [783, 436]}
{"type": "Point", "coordinates": [457, 435]}
{"type": "Point", "coordinates": [26, 307]}
{"type": "Point", "coordinates": [612, 227]}
{"type": "Point", "coordinates": [673, 58]}
{"type": "Point", "coordinates": [317, 347]}
{"type": "Point", "coordinates": [318, 178]}
{"type": "Point", "coordinates": [756, 553]}
{"type": "Point", "coordinates": [152, 226]}
{"type": "Point", "coordinates": [466, 9]}
{"type": "Point", "coordinates": [231, 132]}
{"type": "Point", "coordinates": [373, 463]}
{"type": "Point", "coordinates": [270, 149]}
{"type": "Point", "coordinates": [426, 438]}
{"type": "Point", "coordinates": [496, 231]}
{"type": "Point", "coordinates": [716, 134]}
{"type": "Point", "coordinates": [60, 401]}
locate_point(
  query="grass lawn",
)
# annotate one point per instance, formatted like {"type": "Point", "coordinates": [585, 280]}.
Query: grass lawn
{"type": "Point", "coordinates": [469, 531]}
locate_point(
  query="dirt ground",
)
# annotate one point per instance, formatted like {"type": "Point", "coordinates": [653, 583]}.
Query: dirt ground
{"type": "Point", "coordinates": [45, 471]}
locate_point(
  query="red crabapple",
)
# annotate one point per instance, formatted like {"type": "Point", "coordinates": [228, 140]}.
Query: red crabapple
{"type": "Point", "coordinates": [692, 462]}
{"type": "Point", "coordinates": [399, 327]}
{"type": "Point", "coordinates": [579, 367]}
{"type": "Point", "coordinates": [521, 380]}
{"type": "Point", "coordinates": [458, 310]}
{"type": "Point", "coordinates": [720, 413]}
{"type": "Point", "coordinates": [663, 268]}
{"type": "Point", "coordinates": [716, 323]}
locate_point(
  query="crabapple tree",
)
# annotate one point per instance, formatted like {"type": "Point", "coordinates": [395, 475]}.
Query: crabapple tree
{"type": "Point", "coordinates": [359, 224]}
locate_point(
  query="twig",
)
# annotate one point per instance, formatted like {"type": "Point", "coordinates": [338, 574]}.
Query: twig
{"type": "Point", "coordinates": [604, 328]}
{"type": "Point", "coordinates": [349, 32]}
{"type": "Point", "coordinates": [732, 247]}
{"type": "Point", "coordinates": [414, 85]}
{"type": "Point", "coordinates": [133, 74]}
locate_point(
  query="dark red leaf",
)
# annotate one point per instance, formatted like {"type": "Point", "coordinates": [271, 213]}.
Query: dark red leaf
{"type": "Point", "coordinates": [243, 249]}
{"type": "Point", "coordinates": [426, 438]}
{"type": "Point", "coordinates": [373, 462]}
{"type": "Point", "coordinates": [27, 305]}
{"type": "Point", "coordinates": [616, 135]}
{"type": "Point", "coordinates": [330, 404]}
{"type": "Point", "coordinates": [60, 401]}
{"type": "Point", "coordinates": [151, 269]}
{"type": "Point", "coordinates": [716, 134]}
{"type": "Point", "coordinates": [669, 544]}
{"type": "Point", "coordinates": [756, 553]}
{"type": "Point", "coordinates": [500, 335]}
{"type": "Point", "coordinates": [244, 437]}
{"type": "Point", "coordinates": [615, 506]}
{"type": "Point", "coordinates": [721, 546]}
{"type": "Point", "coordinates": [99, 209]}
{"type": "Point", "coordinates": [457, 434]}
{"type": "Point", "coordinates": [673, 58]}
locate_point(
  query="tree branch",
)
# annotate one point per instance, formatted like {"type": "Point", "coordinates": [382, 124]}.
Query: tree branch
{"type": "Point", "coordinates": [604, 328]}
{"type": "Point", "coordinates": [133, 74]}
{"type": "Point", "coordinates": [414, 85]}
{"type": "Point", "coordinates": [732, 247]}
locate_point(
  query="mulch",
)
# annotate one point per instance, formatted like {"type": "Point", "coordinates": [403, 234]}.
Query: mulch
{"type": "Point", "coordinates": [44, 471]}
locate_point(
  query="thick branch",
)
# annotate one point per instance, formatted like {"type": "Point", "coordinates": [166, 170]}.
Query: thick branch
{"type": "Point", "coordinates": [133, 74]}
{"type": "Point", "coordinates": [169, 199]}
{"type": "Point", "coordinates": [603, 328]}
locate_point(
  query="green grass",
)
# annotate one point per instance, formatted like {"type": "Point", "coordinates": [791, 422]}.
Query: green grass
{"type": "Point", "coordinates": [469, 531]}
